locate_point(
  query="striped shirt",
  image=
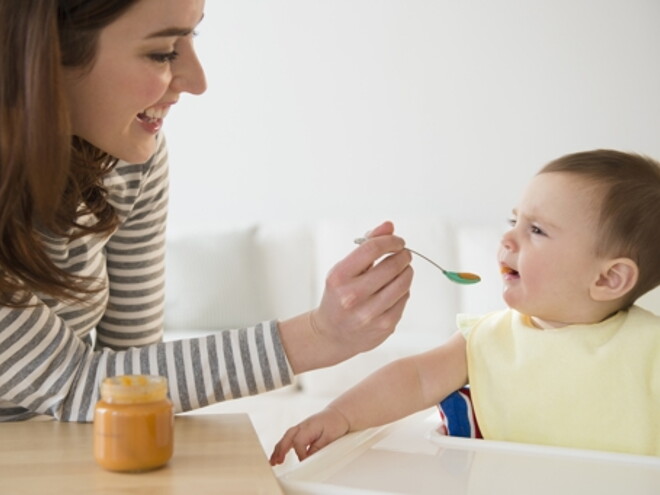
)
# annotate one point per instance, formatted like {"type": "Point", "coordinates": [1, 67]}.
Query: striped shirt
{"type": "Point", "coordinates": [48, 361]}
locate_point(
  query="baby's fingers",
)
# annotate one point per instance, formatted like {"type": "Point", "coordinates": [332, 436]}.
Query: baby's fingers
{"type": "Point", "coordinates": [283, 446]}
{"type": "Point", "coordinates": [318, 444]}
{"type": "Point", "coordinates": [325, 437]}
{"type": "Point", "coordinates": [300, 446]}
{"type": "Point", "coordinates": [298, 438]}
{"type": "Point", "coordinates": [311, 435]}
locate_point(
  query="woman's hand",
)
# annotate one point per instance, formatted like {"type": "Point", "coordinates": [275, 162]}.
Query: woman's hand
{"type": "Point", "coordinates": [363, 301]}
{"type": "Point", "coordinates": [311, 435]}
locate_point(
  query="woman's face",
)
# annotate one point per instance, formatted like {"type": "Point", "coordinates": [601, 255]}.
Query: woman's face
{"type": "Point", "coordinates": [144, 61]}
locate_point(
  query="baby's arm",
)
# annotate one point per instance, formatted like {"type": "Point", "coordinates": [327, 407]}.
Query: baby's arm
{"type": "Point", "coordinates": [401, 388]}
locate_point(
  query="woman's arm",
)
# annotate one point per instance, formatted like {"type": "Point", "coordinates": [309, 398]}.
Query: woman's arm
{"type": "Point", "coordinates": [401, 388]}
{"type": "Point", "coordinates": [46, 369]}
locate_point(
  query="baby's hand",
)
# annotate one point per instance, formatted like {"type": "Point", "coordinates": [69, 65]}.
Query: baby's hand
{"type": "Point", "coordinates": [311, 435]}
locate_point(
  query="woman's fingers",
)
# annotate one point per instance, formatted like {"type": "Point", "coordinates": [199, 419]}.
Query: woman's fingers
{"type": "Point", "coordinates": [364, 256]}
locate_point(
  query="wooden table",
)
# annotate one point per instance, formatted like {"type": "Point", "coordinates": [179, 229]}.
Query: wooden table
{"type": "Point", "coordinates": [217, 453]}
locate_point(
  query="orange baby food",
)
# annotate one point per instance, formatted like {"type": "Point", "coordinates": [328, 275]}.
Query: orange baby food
{"type": "Point", "coordinates": [133, 423]}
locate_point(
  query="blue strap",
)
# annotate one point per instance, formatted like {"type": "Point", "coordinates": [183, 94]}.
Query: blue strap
{"type": "Point", "coordinates": [456, 410]}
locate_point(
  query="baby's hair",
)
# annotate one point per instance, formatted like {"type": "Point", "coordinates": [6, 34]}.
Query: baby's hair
{"type": "Point", "coordinates": [629, 223]}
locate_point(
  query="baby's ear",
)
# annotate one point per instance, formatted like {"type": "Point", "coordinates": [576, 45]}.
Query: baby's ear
{"type": "Point", "coordinates": [617, 278]}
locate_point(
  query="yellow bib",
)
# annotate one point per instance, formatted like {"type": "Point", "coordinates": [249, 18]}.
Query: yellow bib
{"type": "Point", "coordinates": [584, 386]}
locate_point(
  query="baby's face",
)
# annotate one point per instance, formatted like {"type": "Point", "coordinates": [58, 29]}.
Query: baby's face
{"type": "Point", "coordinates": [548, 259]}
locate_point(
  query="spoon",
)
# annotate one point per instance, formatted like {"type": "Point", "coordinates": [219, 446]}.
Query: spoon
{"type": "Point", "coordinates": [458, 277]}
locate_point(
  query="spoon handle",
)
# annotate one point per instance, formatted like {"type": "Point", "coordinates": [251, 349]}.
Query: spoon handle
{"type": "Point", "coordinates": [360, 240]}
{"type": "Point", "coordinates": [428, 259]}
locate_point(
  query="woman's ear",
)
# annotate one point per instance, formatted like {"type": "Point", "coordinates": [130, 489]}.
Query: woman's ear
{"type": "Point", "coordinates": [616, 279]}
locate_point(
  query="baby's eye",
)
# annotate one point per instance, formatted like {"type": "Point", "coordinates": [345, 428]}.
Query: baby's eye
{"type": "Point", "coordinates": [163, 58]}
{"type": "Point", "coordinates": [511, 222]}
{"type": "Point", "coordinates": [535, 230]}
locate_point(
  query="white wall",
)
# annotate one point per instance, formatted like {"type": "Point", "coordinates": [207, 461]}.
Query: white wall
{"type": "Point", "coordinates": [332, 108]}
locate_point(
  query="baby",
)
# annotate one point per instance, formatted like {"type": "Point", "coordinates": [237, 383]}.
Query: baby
{"type": "Point", "coordinates": [572, 362]}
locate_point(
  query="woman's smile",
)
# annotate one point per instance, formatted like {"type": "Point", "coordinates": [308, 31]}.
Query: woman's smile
{"type": "Point", "coordinates": [151, 119]}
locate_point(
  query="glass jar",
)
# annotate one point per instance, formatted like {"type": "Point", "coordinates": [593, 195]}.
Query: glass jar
{"type": "Point", "coordinates": [133, 423]}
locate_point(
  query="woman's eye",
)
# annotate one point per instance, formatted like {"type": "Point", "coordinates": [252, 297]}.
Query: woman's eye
{"type": "Point", "coordinates": [163, 58]}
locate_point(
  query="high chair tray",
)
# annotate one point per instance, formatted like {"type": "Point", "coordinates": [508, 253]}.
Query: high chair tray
{"type": "Point", "coordinates": [410, 457]}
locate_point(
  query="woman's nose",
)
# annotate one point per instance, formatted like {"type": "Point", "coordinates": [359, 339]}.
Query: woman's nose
{"type": "Point", "coordinates": [189, 75]}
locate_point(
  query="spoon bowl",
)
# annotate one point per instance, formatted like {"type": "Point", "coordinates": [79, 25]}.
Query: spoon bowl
{"type": "Point", "coordinates": [464, 278]}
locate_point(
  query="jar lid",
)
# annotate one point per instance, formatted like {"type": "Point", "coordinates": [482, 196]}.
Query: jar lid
{"type": "Point", "coordinates": [133, 389]}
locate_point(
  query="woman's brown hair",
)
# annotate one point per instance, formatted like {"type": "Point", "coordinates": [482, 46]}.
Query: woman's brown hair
{"type": "Point", "coordinates": [48, 178]}
{"type": "Point", "coordinates": [629, 224]}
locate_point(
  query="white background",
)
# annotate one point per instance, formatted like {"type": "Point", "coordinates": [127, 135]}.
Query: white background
{"type": "Point", "coordinates": [381, 108]}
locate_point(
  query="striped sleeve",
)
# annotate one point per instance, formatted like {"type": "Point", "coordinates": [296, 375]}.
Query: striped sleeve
{"type": "Point", "coordinates": [201, 371]}
{"type": "Point", "coordinates": [46, 369]}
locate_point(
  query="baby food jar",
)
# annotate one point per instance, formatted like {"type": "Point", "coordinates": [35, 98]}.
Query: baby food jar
{"type": "Point", "coordinates": [133, 423]}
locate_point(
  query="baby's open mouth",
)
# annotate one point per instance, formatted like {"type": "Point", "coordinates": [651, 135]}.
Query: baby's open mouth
{"type": "Point", "coordinates": [507, 270]}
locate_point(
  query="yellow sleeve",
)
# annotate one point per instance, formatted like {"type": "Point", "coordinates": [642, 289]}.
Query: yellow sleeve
{"type": "Point", "coordinates": [466, 322]}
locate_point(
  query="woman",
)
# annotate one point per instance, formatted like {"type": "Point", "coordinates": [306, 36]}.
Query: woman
{"type": "Point", "coordinates": [85, 86]}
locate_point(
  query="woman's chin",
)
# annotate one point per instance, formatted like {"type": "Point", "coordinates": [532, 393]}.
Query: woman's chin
{"type": "Point", "coordinates": [133, 155]}
{"type": "Point", "coordinates": [136, 155]}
